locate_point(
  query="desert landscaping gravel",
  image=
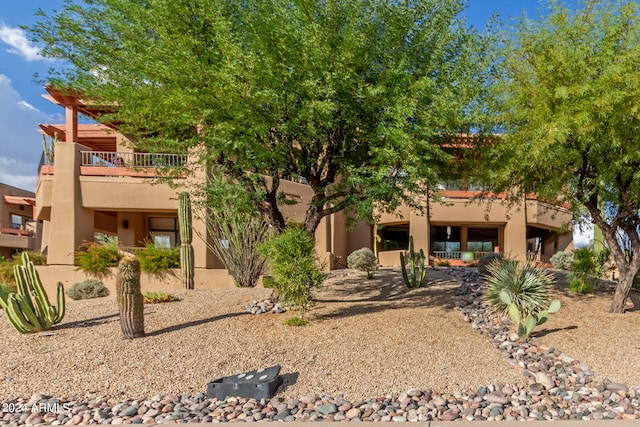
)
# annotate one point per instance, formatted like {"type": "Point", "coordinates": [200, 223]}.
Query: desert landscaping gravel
{"type": "Point", "coordinates": [365, 340]}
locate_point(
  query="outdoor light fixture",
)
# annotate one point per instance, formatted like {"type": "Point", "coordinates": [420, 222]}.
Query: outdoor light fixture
{"type": "Point", "coordinates": [259, 384]}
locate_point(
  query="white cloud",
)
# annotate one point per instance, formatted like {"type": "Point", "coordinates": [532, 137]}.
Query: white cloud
{"type": "Point", "coordinates": [18, 43]}
{"type": "Point", "coordinates": [17, 173]}
{"type": "Point", "coordinates": [20, 143]}
{"type": "Point", "coordinates": [26, 106]}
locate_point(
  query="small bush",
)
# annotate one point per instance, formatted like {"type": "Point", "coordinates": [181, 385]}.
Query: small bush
{"type": "Point", "coordinates": [295, 272]}
{"type": "Point", "coordinates": [7, 264]}
{"type": "Point", "coordinates": [580, 283]}
{"type": "Point", "coordinates": [590, 262]}
{"type": "Point", "coordinates": [296, 321]}
{"type": "Point", "coordinates": [6, 273]}
{"type": "Point", "coordinates": [362, 259]}
{"type": "Point", "coordinates": [6, 289]}
{"type": "Point", "coordinates": [562, 260]}
{"type": "Point", "coordinates": [96, 259]}
{"type": "Point", "coordinates": [91, 288]}
{"type": "Point", "coordinates": [487, 259]}
{"type": "Point", "coordinates": [159, 297]}
{"type": "Point", "coordinates": [235, 241]}
{"type": "Point", "coordinates": [442, 263]}
{"type": "Point", "coordinates": [155, 260]}
{"type": "Point", "coordinates": [37, 258]}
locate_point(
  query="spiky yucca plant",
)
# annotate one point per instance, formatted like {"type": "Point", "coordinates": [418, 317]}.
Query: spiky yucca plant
{"type": "Point", "coordinates": [522, 292]}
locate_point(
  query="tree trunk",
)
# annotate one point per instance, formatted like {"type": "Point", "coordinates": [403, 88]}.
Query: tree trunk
{"type": "Point", "coordinates": [622, 290]}
{"type": "Point", "coordinates": [312, 219]}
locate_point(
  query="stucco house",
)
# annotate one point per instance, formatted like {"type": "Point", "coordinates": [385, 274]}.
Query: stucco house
{"type": "Point", "coordinates": [97, 183]}
{"type": "Point", "coordinates": [18, 230]}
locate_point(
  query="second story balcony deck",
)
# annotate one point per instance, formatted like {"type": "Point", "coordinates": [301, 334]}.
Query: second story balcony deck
{"type": "Point", "coordinates": [119, 164]}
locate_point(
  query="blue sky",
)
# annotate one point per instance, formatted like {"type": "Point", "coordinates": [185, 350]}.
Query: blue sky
{"type": "Point", "coordinates": [22, 107]}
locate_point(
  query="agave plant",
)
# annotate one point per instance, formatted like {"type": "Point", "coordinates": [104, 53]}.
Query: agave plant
{"type": "Point", "coordinates": [522, 292]}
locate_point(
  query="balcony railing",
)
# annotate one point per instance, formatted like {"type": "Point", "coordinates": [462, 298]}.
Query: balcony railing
{"type": "Point", "coordinates": [132, 160]}
{"type": "Point", "coordinates": [538, 257]}
{"type": "Point", "coordinates": [15, 229]}
{"type": "Point", "coordinates": [456, 254]}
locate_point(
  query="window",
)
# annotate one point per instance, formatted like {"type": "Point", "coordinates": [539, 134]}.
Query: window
{"type": "Point", "coordinates": [445, 238]}
{"type": "Point", "coordinates": [16, 222]}
{"type": "Point", "coordinates": [482, 239]}
{"type": "Point", "coordinates": [394, 237]}
{"type": "Point", "coordinates": [165, 232]}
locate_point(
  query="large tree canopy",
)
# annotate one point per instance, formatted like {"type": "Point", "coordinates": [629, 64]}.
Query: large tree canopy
{"type": "Point", "coordinates": [568, 100]}
{"type": "Point", "coordinates": [352, 96]}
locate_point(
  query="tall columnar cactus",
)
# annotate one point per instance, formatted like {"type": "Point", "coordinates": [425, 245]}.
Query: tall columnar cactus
{"type": "Point", "coordinates": [186, 249]}
{"type": "Point", "coordinates": [416, 274]}
{"type": "Point", "coordinates": [130, 300]}
{"type": "Point", "coordinates": [29, 310]}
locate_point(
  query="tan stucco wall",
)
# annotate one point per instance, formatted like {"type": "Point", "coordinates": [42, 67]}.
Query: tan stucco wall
{"type": "Point", "coordinates": [511, 220]}
{"type": "Point", "coordinates": [70, 223]}
{"type": "Point", "coordinates": [548, 216]}
{"type": "Point", "coordinates": [168, 282]}
{"type": "Point", "coordinates": [126, 193]}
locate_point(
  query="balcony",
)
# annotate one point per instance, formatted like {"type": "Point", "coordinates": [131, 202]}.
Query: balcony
{"type": "Point", "coordinates": [118, 164]}
{"type": "Point", "coordinates": [12, 236]}
{"type": "Point", "coordinates": [147, 165]}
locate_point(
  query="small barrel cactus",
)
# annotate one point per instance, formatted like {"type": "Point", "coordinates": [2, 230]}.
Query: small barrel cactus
{"type": "Point", "coordinates": [130, 300]}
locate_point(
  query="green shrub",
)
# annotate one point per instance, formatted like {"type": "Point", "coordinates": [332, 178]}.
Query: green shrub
{"type": "Point", "coordinates": [562, 260]}
{"type": "Point", "coordinates": [522, 292]}
{"type": "Point", "coordinates": [294, 270]}
{"type": "Point", "coordinates": [7, 265]}
{"type": "Point", "coordinates": [37, 258]}
{"type": "Point", "coordinates": [159, 297]}
{"type": "Point", "coordinates": [590, 262]}
{"type": "Point", "coordinates": [296, 321]}
{"type": "Point", "coordinates": [442, 263]}
{"type": "Point", "coordinates": [362, 259]}
{"type": "Point", "coordinates": [156, 259]}
{"type": "Point", "coordinates": [96, 259]}
{"type": "Point", "coordinates": [580, 283]}
{"type": "Point", "coordinates": [5, 288]}
{"type": "Point", "coordinates": [6, 274]}
{"type": "Point", "coordinates": [90, 288]}
{"type": "Point", "coordinates": [485, 260]}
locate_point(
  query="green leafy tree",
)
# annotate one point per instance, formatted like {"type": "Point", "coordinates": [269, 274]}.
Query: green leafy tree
{"type": "Point", "coordinates": [350, 97]}
{"type": "Point", "coordinates": [568, 100]}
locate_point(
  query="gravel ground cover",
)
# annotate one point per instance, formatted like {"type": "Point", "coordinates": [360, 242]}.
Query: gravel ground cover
{"type": "Point", "coordinates": [366, 340]}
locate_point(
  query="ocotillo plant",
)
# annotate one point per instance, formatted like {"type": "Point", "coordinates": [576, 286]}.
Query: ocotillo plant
{"type": "Point", "coordinates": [416, 274]}
{"type": "Point", "coordinates": [186, 249]}
{"type": "Point", "coordinates": [29, 310]}
{"type": "Point", "coordinates": [130, 300]}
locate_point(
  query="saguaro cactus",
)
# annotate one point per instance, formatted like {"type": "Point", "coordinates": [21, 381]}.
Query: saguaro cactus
{"type": "Point", "coordinates": [186, 249]}
{"type": "Point", "coordinates": [29, 310]}
{"type": "Point", "coordinates": [415, 276]}
{"type": "Point", "coordinates": [130, 301]}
